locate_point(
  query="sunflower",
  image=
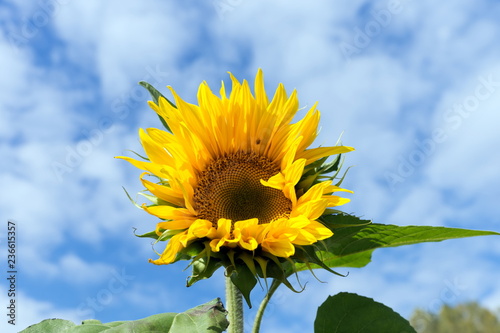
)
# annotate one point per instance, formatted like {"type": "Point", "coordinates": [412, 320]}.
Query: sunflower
{"type": "Point", "coordinates": [234, 176]}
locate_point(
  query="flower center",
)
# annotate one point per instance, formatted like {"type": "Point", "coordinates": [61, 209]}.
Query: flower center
{"type": "Point", "coordinates": [230, 188]}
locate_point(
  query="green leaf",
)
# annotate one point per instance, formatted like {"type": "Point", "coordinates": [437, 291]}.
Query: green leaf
{"type": "Point", "coordinates": [90, 328]}
{"type": "Point", "coordinates": [356, 260]}
{"type": "Point", "coordinates": [155, 94]}
{"type": "Point", "coordinates": [350, 240]}
{"type": "Point", "coordinates": [151, 234]}
{"type": "Point", "coordinates": [307, 255]}
{"type": "Point", "coordinates": [332, 166]}
{"type": "Point", "coordinates": [110, 324]}
{"type": "Point", "coordinates": [208, 317]}
{"type": "Point", "coordinates": [245, 280]}
{"type": "Point", "coordinates": [314, 166]}
{"type": "Point", "coordinates": [343, 176]}
{"type": "Point", "coordinates": [50, 325]}
{"type": "Point", "coordinates": [193, 249]}
{"type": "Point", "coordinates": [347, 313]}
{"type": "Point", "coordinates": [342, 220]}
{"type": "Point", "coordinates": [203, 268]}
{"type": "Point", "coordinates": [156, 323]}
{"type": "Point", "coordinates": [319, 170]}
{"type": "Point", "coordinates": [353, 246]}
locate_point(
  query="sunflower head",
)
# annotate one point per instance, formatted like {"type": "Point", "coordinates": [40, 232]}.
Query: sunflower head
{"type": "Point", "coordinates": [235, 183]}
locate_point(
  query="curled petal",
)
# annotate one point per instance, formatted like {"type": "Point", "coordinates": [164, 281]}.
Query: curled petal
{"type": "Point", "coordinates": [173, 247]}
{"type": "Point", "coordinates": [251, 233]}
{"type": "Point", "coordinates": [202, 228]}
{"type": "Point", "coordinates": [280, 247]}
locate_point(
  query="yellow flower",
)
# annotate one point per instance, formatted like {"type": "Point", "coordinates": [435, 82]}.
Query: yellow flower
{"type": "Point", "coordinates": [227, 173]}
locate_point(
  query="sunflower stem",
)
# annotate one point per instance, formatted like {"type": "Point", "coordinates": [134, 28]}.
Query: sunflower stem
{"type": "Point", "coordinates": [263, 305]}
{"type": "Point", "coordinates": [234, 304]}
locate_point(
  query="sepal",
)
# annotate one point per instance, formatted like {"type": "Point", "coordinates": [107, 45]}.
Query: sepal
{"type": "Point", "coordinates": [155, 94]}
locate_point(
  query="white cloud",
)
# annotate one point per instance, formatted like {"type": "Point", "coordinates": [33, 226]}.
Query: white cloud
{"type": "Point", "coordinates": [30, 311]}
{"type": "Point", "coordinates": [123, 44]}
{"type": "Point", "coordinates": [423, 205]}
{"type": "Point", "coordinates": [74, 270]}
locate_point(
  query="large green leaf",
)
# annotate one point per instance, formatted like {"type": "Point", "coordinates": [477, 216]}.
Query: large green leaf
{"type": "Point", "coordinates": [347, 313]}
{"type": "Point", "coordinates": [353, 246]}
{"type": "Point", "coordinates": [350, 240]}
{"type": "Point", "coordinates": [208, 317]}
{"type": "Point", "coordinates": [51, 325]}
{"type": "Point", "coordinates": [356, 260]}
{"type": "Point", "coordinates": [342, 220]}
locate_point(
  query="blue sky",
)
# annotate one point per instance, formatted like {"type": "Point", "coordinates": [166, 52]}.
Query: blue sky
{"type": "Point", "coordinates": [413, 85]}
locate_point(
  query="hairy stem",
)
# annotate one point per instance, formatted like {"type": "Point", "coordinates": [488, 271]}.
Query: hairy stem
{"type": "Point", "coordinates": [263, 305]}
{"type": "Point", "coordinates": [234, 305]}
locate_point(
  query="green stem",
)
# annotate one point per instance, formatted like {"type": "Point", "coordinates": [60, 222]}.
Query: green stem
{"type": "Point", "coordinates": [234, 304]}
{"type": "Point", "coordinates": [263, 305]}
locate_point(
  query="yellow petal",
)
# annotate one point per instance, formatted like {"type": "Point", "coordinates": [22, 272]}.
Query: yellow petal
{"type": "Point", "coordinates": [173, 225]}
{"type": "Point", "coordinates": [280, 247]}
{"type": "Point", "coordinates": [163, 192]}
{"type": "Point", "coordinates": [216, 244]}
{"type": "Point", "coordinates": [312, 155]}
{"type": "Point", "coordinates": [222, 235]}
{"type": "Point", "coordinates": [202, 228]}
{"type": "Point", "coordinates": [156, 153]}
{"type": "Point", "coordinates": [173, 247]}
{"type": "Point", "coordinates": [334, 200]}
{"type": "Point", "coordinates": [248, 243]}
{"type": "Point", "coordinates": [292, 176]}
{"type": "Point", "coordinates": [277, 181]}
{"type": "Point", "coordinates": [311, 209]}
{"type": "Point", "coordinates": [305, 238]}
{"type": "Point", "coordinates": [260, 91]}
{"type": "Point", "coordinates": [168, 212]}
{"type": "Point", "coordinates": [314, 193]}
{"type": "Point", "coordinates": [250, 233]}
{"type": "Point", "coordinates": [290, 153]}
{"type": "Point", "coordinates": [294, 171]}
{"type": "Point", "coordinates": [333, 188]}
{"type": "Point", "coordinates": [318, 230]}
{"type": "Point", "coordinates": [153, 168]}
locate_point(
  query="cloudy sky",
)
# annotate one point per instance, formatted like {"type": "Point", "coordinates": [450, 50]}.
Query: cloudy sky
{"type": "Point", "coordinates": [413, 85]}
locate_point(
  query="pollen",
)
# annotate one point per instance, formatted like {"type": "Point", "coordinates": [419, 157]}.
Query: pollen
{"type": "Point", "coordinates": [230, 188]}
